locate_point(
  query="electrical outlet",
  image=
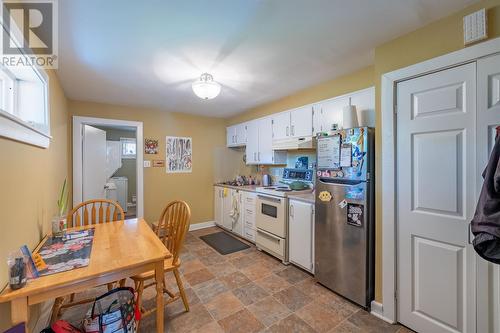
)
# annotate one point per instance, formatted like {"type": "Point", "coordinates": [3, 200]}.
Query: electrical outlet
{"type": "Point", "coordinates": [475, 27]}
{"type": "Point", "coordinates": [147, 164]}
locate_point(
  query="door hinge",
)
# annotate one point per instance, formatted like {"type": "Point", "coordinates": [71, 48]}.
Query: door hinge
{"type": "Point", "coordinates": [272, 121]}
{"type": "Point", "coordinates": [395, 109]}
{"type": "Point", "coordinates": [395, 295]}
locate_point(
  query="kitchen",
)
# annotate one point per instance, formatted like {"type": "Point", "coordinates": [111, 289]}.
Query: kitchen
{"type": "Point", "coordinates": [288, 166]}
{"type": "Point", "coordinates": [277, 212]}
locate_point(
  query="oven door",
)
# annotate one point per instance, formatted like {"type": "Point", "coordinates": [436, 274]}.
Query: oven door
{"type": "Point", "coordinates": [271, 214]}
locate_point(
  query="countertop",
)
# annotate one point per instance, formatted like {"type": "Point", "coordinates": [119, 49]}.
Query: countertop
{"type": "Point", "coordinates": [248, 188]}
{"type": "Point", "coordinates": [305, 197]}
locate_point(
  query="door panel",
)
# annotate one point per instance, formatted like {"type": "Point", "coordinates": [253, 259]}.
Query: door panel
{"type": "Point", "coordinates": [281, 125]}
{"type": "Point", "coordinates": [488, 118]}
{"type": "Point", "coordinates": [300, 234]}
{"type": "Point", "coordinates": [218, 205]}
{"type": "Point", "coordinates": [436, 120]}
{"type": "Point", "coordinates": [252, 147]}
{"type": "Point", "coordinates": [301, 122]}
{"type": "Point", "coordinates": [94, 163]}
{"type": "Point", "coordinates": [265, 154]}
{"type": "Point", "coordinates": [227, 206]}
{"type": "Point", "coordinates": [340, 248]}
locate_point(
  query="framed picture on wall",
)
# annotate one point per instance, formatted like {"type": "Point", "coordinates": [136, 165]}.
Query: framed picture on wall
{"type": "Point", "coordinates": [150, 146]}
{"type": "Point", "coordinates": [179, 154]}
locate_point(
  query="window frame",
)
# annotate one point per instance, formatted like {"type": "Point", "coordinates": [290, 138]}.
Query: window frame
{"type": "Point", "coordinates": [128, 140]}
{"type": "Point", "coordinates": [11, 125]}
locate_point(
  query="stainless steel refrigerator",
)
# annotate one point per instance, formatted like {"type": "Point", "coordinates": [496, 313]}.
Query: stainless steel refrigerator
{"type": "Point", "coordinates": [344, 214]}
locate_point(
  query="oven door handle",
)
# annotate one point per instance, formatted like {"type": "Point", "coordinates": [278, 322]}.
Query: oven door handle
{"type": "Point", "coordinates": [265, 197]}
{"type": "Point", "coordinates": [269, 235]}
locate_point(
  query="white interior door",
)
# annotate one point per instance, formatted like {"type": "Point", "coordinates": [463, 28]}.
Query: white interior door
{"type": "Point", "coordinates": [94, 163]}
{"type": "Point", "coordinates": [436, 125]}
{"type": "Point", "coordinates": [488, 118]}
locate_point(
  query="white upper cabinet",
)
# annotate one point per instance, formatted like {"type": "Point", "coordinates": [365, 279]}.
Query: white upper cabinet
{"type": "Point", "coordinates": [260, 141]}
{"type": "Point", "coordinates": [329, 112]}
{"type": "Point", "coordinates": [317, 118]}
{"type": "Point", "coordinates": [295, 123]}
{"type": "Point", "coordinates": [236, 135]}
{"type": "Point", "coordinates": [281, 125]}
{"type": "Point", "coordinates": [252, 148]}
{"type": "Point", "coordinates": [301, 122]}
{"type": "Point", "coordinates": [265, 154]}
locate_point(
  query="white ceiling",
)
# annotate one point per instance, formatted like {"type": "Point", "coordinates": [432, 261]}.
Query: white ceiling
{"type": "Point", "coordinates": [147, 53]}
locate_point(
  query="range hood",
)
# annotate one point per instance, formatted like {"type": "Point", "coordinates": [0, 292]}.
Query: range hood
{"type": "Point", "coordinates": [294, 143]}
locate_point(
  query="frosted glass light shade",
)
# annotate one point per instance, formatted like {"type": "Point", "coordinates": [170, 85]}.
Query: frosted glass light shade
{"type": "Point", "coordinates": [206, 87]}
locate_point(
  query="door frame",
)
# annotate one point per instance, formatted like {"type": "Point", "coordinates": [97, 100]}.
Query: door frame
{"type": "Point", "coordinates": [389, 81]}
{"type": "Point", "coordinates": [78, 123]}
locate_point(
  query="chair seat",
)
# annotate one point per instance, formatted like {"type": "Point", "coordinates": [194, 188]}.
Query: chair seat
{"type": "Point", "coordinates": [168, 265]}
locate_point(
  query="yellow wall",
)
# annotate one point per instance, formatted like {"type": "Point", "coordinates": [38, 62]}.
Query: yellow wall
{"type": "Point", "coordinates": [209, 135]}
{"type": "Point", "coordinates": [30, 180]}
{"type": "Point", "coordinates": [438, 38]}
{"type": "Point", "coordinates": [342, 85]}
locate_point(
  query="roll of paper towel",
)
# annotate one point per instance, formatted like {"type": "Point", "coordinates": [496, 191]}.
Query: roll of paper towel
{"type": "Point", "coordinates": [350, 117]}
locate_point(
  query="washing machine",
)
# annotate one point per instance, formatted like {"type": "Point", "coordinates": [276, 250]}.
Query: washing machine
{"type": "Point", "coordinates": [121, 184]}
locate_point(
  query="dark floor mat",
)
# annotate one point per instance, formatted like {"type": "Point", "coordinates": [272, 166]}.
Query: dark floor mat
{"type": "Point", "coordinates": [224, 243]}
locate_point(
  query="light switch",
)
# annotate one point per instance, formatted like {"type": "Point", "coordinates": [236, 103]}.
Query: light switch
{"type": "Point", "coordinates": [475, 27]}
{"type": "Point", "coordinates": [147, 164]}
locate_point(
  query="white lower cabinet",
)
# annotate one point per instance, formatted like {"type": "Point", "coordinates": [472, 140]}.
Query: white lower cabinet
{"type": "Point", "coordinates": [301, 234]}
{"type": "Point", "coordinates": [218, 205]}
{"type": "Point", "coordinates": [229, 211]}
{"type": "Point", "coordinates": [248, 213]}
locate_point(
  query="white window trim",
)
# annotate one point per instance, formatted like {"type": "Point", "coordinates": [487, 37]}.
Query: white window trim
{"type": "Point", "coordinates": [128, 157]}
{"type": "Point", "coordinates": [13, 127]}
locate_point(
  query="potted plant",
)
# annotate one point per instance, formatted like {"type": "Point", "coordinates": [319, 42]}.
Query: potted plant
{"type": "Point", "coordinates": [59, 222]}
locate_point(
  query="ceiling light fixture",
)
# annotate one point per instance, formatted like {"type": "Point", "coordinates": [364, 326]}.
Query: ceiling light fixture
{"type": "Point", "coordinates": [206, 87]}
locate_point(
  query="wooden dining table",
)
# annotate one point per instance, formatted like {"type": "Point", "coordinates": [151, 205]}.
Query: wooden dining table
{"type": "Point", "coordinates": [120, 249]}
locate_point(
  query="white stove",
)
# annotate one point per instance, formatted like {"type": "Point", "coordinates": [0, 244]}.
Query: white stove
{"type": "Point", "coordinates": [280, 190]}
{"type": "Point", "coordinates": [272, 213]}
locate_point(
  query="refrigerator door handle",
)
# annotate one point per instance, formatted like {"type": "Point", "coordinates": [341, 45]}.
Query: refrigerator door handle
{"type": "Point", "coordinates": [339, 183]}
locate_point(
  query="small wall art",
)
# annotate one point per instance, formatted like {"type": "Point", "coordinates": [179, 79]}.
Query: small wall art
{"type": "Point", "coordinates": [150, 146]}
{"type": "Point", "coordinates": [158, 163]}
{"type": "Point", "coordinates": [179, 154]}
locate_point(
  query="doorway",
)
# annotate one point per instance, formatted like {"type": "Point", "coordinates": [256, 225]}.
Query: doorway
{"type": "Point", "coordinates": [107, 162]}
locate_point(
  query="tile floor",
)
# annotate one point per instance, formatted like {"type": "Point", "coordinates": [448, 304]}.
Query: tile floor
{"type": "Point", "coordinates": [250, 291]}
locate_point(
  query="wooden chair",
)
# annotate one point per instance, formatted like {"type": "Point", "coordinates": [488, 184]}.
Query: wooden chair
{"type": "Point", "coordinates": [88, 213]}
{"type": "Point", "coordinates": [172, 228]}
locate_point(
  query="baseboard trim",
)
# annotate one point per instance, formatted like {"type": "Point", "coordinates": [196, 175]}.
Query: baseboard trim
{"type": "Point", "coordinates": [202, 225]}
{"type": "Point", "coordinates": [377, 309]}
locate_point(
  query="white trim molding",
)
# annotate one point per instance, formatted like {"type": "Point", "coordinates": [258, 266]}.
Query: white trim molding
{"type": "Point", "coordinates": [202, 225]}
{"type": "Point", "coordinates": [388, 132]}
{"type": "Point", "coordinates": [78, 123]}
{"type": "Point", "coordinates": [377, 310]}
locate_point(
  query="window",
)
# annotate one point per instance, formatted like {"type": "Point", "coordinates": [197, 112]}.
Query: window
{"type": "Point", "coordinates": [129, 147]}
{"type": "Point", "coordinates": [24, 110]}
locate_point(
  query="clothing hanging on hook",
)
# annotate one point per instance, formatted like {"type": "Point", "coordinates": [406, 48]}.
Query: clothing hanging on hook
{"type": "Point", "coordinates": [486, 222]}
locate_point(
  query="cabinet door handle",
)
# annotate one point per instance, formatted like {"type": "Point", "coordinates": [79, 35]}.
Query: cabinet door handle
{"type": "Point", "coordinates": [258, 154]}
{"type": "Point", "coordinates": [293, 130]}
{"type": "Point", "coordinates": [291, 211]}
{"type": "Point", "coordinates": [255, 156]}
{"type": "Point", "coordinates": [287, 131]}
